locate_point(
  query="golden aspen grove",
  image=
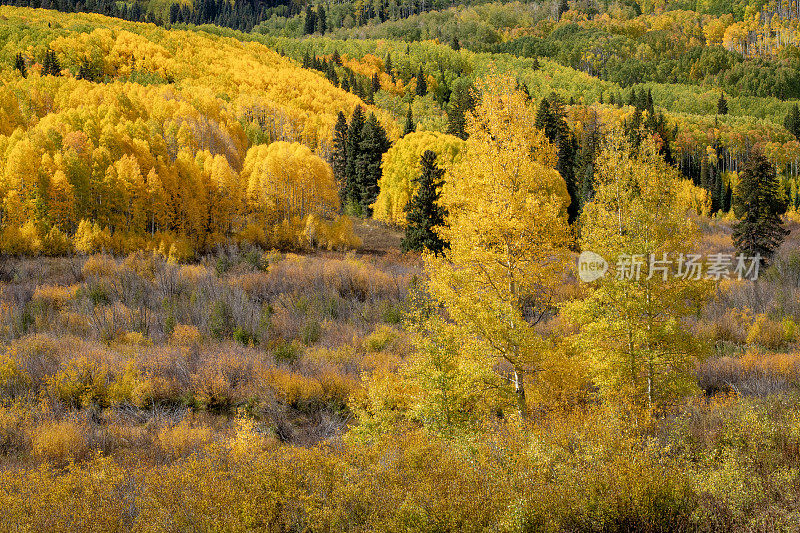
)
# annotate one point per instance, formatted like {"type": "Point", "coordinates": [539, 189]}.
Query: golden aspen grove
{"type": "Point", "coordinates": [399, 266]}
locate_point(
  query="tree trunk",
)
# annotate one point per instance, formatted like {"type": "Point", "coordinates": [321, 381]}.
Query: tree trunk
{"type": "Point", "coordinates": [519, 391]}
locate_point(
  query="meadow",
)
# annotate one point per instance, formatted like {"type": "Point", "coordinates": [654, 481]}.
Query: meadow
{"type": "Point", "coordinates": [145, 395]}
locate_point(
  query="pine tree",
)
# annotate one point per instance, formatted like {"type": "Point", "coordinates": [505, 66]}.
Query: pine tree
{"type": "Point", "coordinates": [722, 105]}
{"type": "Point", "coordinates": [350, 194]}
{"type": "Point", "coordinates": [409, 126]}
{"type": "Point", "coordinates": [310, 21]}
{"type": "Point", "coordinates": [423, 211]}
{"type": "Point", "coordinates": [758, 204]}
{"type": "Point", "coordinates": [339, 154]}
{"type": "Point", "coordinates": [19, 64]}
{"type": "Point", "coordinates": [322, 23]}
{"type": "Point", "coordinates": [422, 83]}
{"type": "Point", "coordinates": [455, 44]}
{"type": "Point", "coordinates": [389, 68]}
{"type": "Point", "coordinates": [374, 143]}
{"type": "Point", "coordinates": [376, 83]}
{"type": "Point", "coordinates": [336, 58]}
{"type": "Point", "coordinates": [792, 121]}
{"type": "Point", "coordinates": [51, 66]}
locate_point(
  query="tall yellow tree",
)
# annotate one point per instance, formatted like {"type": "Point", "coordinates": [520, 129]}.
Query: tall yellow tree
{"type": "Point", "coordinates": [632, 321]}
{"type": "Point", "coordinates": [508, 235]}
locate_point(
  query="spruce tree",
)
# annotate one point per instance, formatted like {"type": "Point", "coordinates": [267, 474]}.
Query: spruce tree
{"type": "Point", "coordinates": [51, 66]}
{"type": "Point", "coordinates": [349, 195]}
{"type": "Point", "coordinates": [792, 121]}
{"type": "Point", "coordinates": [758, 204]}
{"type": "Point", "coordinates": [310, 21]}
{"type": "Point", "coordinates": [409, 126]}
{"type": "Point", "coordinates": [336, 58]}
{"type": "Point", "coordinates": [376, 83]}
{"type": "Point", "coordinates": [455, 44]}
{"type": "Point", "coordinates": [374, 143]}
{"type": "Point", "coordinates": [389, 68]}
{"type": "Point", "coordinates": [19, 64]}
{"type": "Point", "coordinates": [422, 83]}
{"type": "Point", "coordinates": [722, 105]}
{"type": "Point", "coordinates": [339, 154]}
{"type": "Point", "coordinates": [322, 23]}
{"type": "Point", "coordinates": [551, 119]}
{"type": "Point", "coordinates": [423, 211]}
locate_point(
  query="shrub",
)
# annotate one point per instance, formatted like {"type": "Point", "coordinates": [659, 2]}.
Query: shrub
{"type": "Point", "coordinates": [381, 338]}
{"type": "Point", "coordinates": [60, 441]}
{"type": "Point", "coordinates": [13, 378]}
{"type": "Point", "coordinates": [185, 335]}
{"type": "Point", "coordinates": [55, 296]}
{"type": "Point", "coordinates": [184, 439]}
{"type": "Point", "coordinates": [100, 266]}
{"type": "Point", "coordinates": [81, 383]}
{"type": "Point", "coordinates": [286, 352]}
{"type": "Point", "coordinates": [772, 334]}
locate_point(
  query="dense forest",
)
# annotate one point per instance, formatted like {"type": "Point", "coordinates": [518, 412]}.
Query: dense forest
{"type": "Point", "coordinates": [399, 265]}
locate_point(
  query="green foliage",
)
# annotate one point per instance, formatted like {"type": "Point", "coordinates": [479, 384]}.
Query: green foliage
{"type": "Point", "coordinates": [758, 204]}
{"type": "Point", "coordinates": [424, 214]}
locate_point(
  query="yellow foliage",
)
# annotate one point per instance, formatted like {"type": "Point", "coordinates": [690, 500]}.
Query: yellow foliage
{"type": "Point", "coordinates": [21, 240]}
{"type": "Point", "coordinates": [183, 439]}
{"type": "Point", "coordinates": [772, 334]}
{"type": "Point", "coordinates": [60, 441]}
{"type": "Point", "coordinates": [401, 166]}
{"type": "Point", "coordinates": [55, 296]}
{"type": "Point", "coordinates": [184, 335]}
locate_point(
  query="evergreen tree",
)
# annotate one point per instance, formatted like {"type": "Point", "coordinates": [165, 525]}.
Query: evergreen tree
{"type": "Point", "coordinates": [792, 121]}
{"type": "Point", "coordinates": [339, 154]}
{"type": "Point", "coordinates": [461, 102]}
{"type": "Point", "coordinates": [551, 119]}
{"type": "Point", "coordinates": [310, 21]}
{"type": "Point", "coordinates": [376, 83]}
{"type": "Point", "coordinates": [389, 68]}
{"type": "Point", "coordinates": [758, 204]}
{"type": "Point", "coordinates": [350, 196]}
{"type": "Point", "coordinates": [336, 58]}
{"type": "Point", "coordinates": [19, 64]}
{"type": "Point", "coordinates": [455, 44]}
{"type": "Point", "coordinates": [563, 7]}
{"type": "Point", "coordinates": [409, 126]}
{"type": "Point", "coordinates": [722, 105]}
{"type": "Point", "coordinates": [535, 65]}
{"type": "Point", "coordinates": [422, 83]}
{"type": "Point", "coordinates": [374, 143]}
{"type": "Point", "coordinates": [51, 66]}
{"type": "Point", "coordinates": [322, 23]}
{"type": "Point", "coordinates": [423, 211]}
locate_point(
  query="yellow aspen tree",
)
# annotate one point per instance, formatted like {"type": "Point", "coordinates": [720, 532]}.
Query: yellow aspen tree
{"type": "Point", "coordinates": [508, 234]}
{"type": "Point", "coordinates": [286, 180]}
{"type": "Point", "coordinates": [632, 320]}
{"type": "Point", "coordinates": [62, 202]}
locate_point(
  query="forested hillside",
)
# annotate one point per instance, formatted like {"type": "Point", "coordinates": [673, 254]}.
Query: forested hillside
{"type": "Point", "coordinates": [399, 265]}
{"type": "Point", "coordinates": [129, 136]}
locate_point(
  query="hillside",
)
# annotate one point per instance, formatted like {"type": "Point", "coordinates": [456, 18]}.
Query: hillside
{"type": "Point", "coordinates": [398, 266]}
{"type": "Point", "coordinates": [163, 124]}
